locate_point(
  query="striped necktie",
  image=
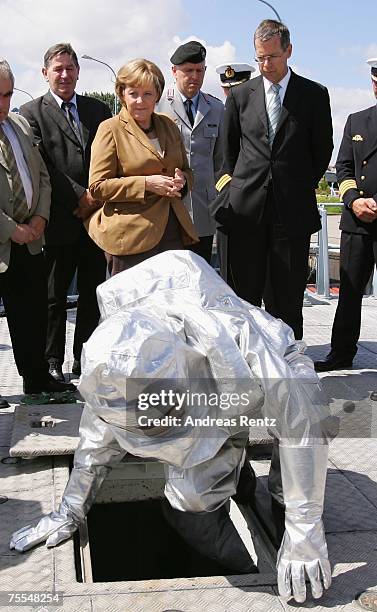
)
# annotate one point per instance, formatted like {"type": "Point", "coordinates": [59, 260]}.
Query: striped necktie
{"type": "Point", "coordinates": [67, 108]}
{"type": "Point", "coordinates": [20, 207]}
{"type": "Point", "coordinates": [273, 112]}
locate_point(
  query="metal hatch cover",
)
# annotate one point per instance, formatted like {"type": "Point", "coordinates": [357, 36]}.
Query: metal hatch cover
{"type": "Point", "coordinates": [45, 430]}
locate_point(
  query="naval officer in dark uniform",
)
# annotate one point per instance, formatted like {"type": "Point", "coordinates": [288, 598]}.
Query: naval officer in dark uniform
{"type": "Point", "coordinates": [356, 169]}
{"type": "Point", "coordinates": [231, 75]}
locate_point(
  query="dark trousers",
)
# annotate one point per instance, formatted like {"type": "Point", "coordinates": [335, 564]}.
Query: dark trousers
{"type": "Point", "coordinates": [203, 247]}
{"type": "Point", "coordinates": [252, 253]}
{"type": "Point", "coordinates": [275, 487]}
{"type": "Point", "coordinates": [62, 262]}
{"type": "Point", "coordinates": [358, 255]}
{"type": "Point", "coordinates": [23, 289]}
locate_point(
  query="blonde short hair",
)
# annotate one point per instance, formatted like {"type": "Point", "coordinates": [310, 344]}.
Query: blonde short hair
{"type": "Point", "coordinates": [139, 72]}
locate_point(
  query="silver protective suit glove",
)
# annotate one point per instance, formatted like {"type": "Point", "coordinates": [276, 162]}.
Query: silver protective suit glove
{"type": "Point", "coordinates": [53, 528]}
{"type": "Point", "coordinates": [60, 525]}
{"type": "Point", "coordinates": [303, 552]}
{"type": "Point", "coordinates": [96, 453]}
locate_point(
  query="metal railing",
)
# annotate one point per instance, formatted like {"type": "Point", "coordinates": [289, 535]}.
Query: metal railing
{"type": "Point", "coordinates": [322, 273]}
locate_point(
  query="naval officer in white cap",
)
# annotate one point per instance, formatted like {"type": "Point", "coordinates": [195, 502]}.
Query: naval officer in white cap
{"type": "Point", "coordinates": [233, 73]}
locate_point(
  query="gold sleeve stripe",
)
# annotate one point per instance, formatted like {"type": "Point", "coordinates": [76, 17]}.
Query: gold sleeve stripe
{"type": "Point", "coordinates": [346, 185]}
{"type": "Point", "coordinates": [224, 180]}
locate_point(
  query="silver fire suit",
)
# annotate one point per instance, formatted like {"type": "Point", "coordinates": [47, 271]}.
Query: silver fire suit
{"type": "Point", "coordinates": [173, 334]}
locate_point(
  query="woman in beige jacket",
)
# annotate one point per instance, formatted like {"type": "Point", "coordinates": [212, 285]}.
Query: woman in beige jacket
{"type": "Point", "coordinates": [140, 172]}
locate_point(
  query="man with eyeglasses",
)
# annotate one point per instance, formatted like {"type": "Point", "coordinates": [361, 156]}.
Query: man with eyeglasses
{"type": "Point", "coordinates": [277, 145]}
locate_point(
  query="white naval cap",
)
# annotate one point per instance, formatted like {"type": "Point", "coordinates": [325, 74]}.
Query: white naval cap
{"type": "Point", "coordinates": [373, 67]}
{"type": "Point", "coordinates": [233, 73]}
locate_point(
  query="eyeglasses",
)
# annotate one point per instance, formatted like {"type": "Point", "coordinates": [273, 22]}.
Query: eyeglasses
{"type": "Point", "coordinates": [264, 58]}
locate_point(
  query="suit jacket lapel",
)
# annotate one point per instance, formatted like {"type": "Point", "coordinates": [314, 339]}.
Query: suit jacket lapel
{"type": "Point", "coordinates": [2, 158]}
{"type": "Point", "coordinates": [203, 109]}
{"type": "Point", "coordinates": [290, 100]}
{"type": "Point", "coordinates": [26, 149]}
{"type": "Point", "coordinates": [85, 118]}
{"type": "Point", "coordinates": [27, 152]}
{"type": "Point", "coordinates": [161, 134]}
{"type": "Point", "coordinates": [258, 99]}
{"type": "Point", "coordinates": [179, 108]}
{"type": "Point", "coordinates": [57, 115]}
{"type": "Point", "coordinates": [371, 130]}
{"type": "Point", "coordinates": [131, 127]}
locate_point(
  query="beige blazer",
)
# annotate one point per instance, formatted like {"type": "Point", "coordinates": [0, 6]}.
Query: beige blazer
{"type": "Point", "coordinates": [41, 190]}
{"type": "Point", "coordinates": [133, 220]}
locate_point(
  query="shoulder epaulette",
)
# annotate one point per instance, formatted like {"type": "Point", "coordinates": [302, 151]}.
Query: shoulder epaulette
{"type": "Point", "coordinates": [170, 94]}
{"type": "Point", "coordinates": [208, 95]}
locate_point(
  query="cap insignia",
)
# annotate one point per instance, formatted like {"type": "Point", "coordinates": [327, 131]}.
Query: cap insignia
{"type": "Point", "coordinates": [229, 72]}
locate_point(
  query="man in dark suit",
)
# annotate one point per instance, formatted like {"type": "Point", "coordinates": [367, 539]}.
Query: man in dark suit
{"type": "Point", "coordinates": [278, 142]}
{"type": "Point", "coordinates": [64, 125]}
{"type": "Point", "coordinates": [277, 145]}
{"type": "Point", "coordinates": [356, 170]}
{"type": "Point", "coordinates": [24, 210]}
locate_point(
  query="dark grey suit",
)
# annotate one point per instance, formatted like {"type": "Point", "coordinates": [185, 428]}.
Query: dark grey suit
{"type": "Point", "coordinates": [68, 247]}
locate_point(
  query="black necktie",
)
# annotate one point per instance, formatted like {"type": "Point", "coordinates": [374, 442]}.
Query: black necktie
{"type": "Point", "coordinates": [188, 107]}
{"type": "Point", "coordinates": [67, 106]}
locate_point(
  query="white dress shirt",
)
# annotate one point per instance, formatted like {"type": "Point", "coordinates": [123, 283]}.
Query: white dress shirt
{"type": "Point", "coordinates": [269, 92]}
{"type": "Point", "coordinates": [73, 108]}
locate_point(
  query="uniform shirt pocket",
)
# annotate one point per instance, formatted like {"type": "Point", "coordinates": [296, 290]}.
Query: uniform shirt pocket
{"type": "Point", "coordinates": [211, 130]}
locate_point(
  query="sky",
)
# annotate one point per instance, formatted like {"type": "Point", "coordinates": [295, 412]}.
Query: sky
{"type": "Point", "coordinates": [331, 40]}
